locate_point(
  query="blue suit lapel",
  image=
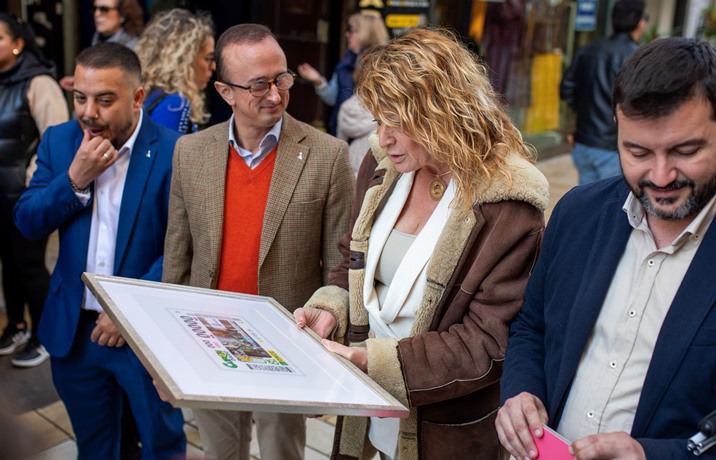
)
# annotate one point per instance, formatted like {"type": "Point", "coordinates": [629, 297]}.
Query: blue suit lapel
{"type": "Point", "coordinates": [612, 234]}
{"type": "Point", "coordinates": [140, 166]}
{"type": "Point", "coordinates": [693, 302]}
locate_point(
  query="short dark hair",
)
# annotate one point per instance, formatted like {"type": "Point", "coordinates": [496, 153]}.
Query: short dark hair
{"type": "Point", "coordinates": [626, 15]}
{"type": "Point", "coordinates": [110, 55]}
{"type": "Point", "coordinates": [236, 35]}
{"type": "Point", "coordinates": [660, 76]}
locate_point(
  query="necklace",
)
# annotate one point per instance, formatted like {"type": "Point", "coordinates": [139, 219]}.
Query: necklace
{"type": "Point", "coordinates": [437, 187]}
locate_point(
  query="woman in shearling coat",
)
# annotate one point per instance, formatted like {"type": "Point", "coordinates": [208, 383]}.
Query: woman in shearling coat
{"type": "Point", "coordinates": [446, 227]}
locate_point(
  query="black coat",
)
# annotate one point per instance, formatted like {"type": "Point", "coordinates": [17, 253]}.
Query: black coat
{"type": "Point", "coordinates": [587, 87]}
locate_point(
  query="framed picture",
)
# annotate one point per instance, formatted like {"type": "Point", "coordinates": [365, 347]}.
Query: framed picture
{"type": "Point", "coordinates": [219, 350]}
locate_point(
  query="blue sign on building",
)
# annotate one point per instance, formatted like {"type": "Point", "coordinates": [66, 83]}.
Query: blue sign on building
{"type": "Point", "coordinates": [586, 15]}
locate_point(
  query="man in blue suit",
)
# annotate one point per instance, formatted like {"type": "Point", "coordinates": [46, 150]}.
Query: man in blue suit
{"type": "Point", "coordinates": [615, 345]}
{"type": "Point", "coordinates": [103, 182]}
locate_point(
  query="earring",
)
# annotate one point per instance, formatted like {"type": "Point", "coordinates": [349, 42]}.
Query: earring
{"type": "Point", "coordinates": [16, 52]}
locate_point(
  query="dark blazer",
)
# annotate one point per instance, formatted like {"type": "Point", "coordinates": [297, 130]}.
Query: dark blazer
{"type": "Point", "coordinates": [585, 238]}
{"type": "Point", "coordinates": [49, 204]}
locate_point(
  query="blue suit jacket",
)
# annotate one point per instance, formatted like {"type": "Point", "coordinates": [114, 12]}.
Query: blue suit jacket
{"type": "Point", "coordinates": [49, 204]}
{"type": "Point", "coordinates": [583, 243]}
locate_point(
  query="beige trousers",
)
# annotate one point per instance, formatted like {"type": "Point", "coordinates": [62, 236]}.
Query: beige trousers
{"type": "Point", "coordinates": [226, 435]}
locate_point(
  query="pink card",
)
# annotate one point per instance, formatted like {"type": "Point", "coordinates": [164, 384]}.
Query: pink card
{"type": "Point", "coordinates": [552, 446]}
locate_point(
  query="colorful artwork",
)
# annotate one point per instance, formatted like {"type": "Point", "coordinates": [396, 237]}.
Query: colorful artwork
{"type": "Point", "coordinates": [233, 344]}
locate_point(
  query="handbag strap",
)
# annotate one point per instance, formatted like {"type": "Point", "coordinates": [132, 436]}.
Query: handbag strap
{"type": "Point", "coordinates": [156, 101]}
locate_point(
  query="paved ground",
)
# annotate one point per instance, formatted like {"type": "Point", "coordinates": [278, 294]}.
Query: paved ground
{"type": "Point", "coordinates": [29, 392]}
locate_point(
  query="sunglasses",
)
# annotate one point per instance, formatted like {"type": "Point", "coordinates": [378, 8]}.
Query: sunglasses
{"type": "Point", "coordinates": [103, 9]}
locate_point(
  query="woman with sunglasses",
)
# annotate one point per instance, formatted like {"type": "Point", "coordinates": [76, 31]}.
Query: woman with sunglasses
{"type": "Point", "coordinates": [119, 21]}
{"type": "Point", "coordinates": [177, 55]}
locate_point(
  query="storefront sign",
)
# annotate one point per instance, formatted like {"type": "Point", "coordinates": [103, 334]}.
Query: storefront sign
{"type": "Point", "coordinates": [400, 15]}
{"type": "Point", "coordinates": [586, 15]}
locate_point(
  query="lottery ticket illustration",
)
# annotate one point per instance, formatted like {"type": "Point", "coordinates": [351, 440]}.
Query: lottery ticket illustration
{"type": "Point", "coordinates": [233, 344]}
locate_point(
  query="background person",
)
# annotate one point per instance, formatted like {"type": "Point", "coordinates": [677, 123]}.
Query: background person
{"type": "Point", "coordinates": [354, 123]}
{"type": "Point", "coordinates": [587, 88]}
{"type": "Point", "coordinates": [446, 226]}
{"type": "Point", "coordinates": [30, 101]}
{"type": "Point", "coordinates": [364, 30]}
{"type": "Point", "coordinates": [116, 21]}
{"type": "Point", "coordinates": [103, 182]}
{"type": "Point", "coordinates": [177, 54]}
{"type": "Point", "coordinates": [614, 346]}
{"type": "Point", "coordinates": [258, 204]}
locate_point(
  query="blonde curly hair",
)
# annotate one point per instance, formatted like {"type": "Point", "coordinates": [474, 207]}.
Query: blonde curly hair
{"type": "Point", "coordinates": [427, 84]}
{"type": "Point", "coordinates": [167, 50]}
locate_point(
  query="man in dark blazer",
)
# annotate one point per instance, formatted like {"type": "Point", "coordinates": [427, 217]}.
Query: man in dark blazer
{"type": "Point", "coordinates": [258, 204]}
{"type": "Point", "coordinates": [103, 181]}
{"type": "Point", "coordinates": [615, 345]}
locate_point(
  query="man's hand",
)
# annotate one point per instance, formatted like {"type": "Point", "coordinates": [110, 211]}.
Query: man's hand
{"type": "Point", "coordinates": [570, 139]}
{"type": "Point", "coordinates": [517, 420]}
{"type": "Point", "coordinates": [356, 355]}
{"type": "Point", "coordinates": [105, 333]}
{"type": "Point", "coordinates": [319, 321]}
{"type": "Point", "coordinates": [608, 446]}
{"type": "Point", "coordinates": [94, 156]}
{"type": "Point", "coordinates": [161, 394]}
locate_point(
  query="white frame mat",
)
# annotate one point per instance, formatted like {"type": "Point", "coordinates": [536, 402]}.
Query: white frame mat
{"type": "Point", "coordinates": [212, 349]}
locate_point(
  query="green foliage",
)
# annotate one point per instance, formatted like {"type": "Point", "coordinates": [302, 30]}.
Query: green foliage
{"type": "Point", "coordinates": [708, 23]}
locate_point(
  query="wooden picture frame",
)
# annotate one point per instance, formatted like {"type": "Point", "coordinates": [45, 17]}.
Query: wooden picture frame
{"type": "Point", "coordinates": [212, 349]}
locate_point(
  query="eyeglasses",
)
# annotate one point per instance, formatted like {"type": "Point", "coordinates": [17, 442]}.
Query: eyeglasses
{"type": "Point", "coordinates": [283, 82]}
{"type": "Point", "coordinates": [103, 9]}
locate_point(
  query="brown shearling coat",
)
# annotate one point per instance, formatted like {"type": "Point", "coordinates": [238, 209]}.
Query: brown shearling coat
{"type": "Point", "coordinates": [447, 372]}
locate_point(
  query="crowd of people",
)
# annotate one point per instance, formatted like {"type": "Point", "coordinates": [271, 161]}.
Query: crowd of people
{"type": "Point", "coordinates": [424, 259]}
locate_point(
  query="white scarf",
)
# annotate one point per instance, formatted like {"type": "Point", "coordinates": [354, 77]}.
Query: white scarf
{"type": "Point", "coordinates": [405, 294]}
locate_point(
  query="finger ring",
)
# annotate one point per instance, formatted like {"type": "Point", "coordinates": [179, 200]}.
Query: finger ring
{"type": "Point", "coordinates": [105, 155]}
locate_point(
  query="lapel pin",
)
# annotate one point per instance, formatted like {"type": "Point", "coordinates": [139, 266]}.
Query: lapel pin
{"type": "Point", "coordinates": [149, 153]}
{"type": "Point", "coordinates": [300, 156]}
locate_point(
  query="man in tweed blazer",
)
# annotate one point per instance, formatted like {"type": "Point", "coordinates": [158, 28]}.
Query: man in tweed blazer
{"type": "Point", "coordinates": [257, 205]}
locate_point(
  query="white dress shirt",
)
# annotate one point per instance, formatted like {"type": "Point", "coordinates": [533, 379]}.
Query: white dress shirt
{"type": "Point", "coordinates": [108, 189]}
{"type": "Point", "coordinates": [270, 140]}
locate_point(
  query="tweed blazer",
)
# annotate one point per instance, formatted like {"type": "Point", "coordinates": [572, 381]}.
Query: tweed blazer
{"type": "Point", "coordinates": [307, 210]}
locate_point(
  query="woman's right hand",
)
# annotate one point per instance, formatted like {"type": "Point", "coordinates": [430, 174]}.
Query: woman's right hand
{"type": "Point", "coordinates": [308, 72]}
{"type": "Point", "coordinates": [321, 322]}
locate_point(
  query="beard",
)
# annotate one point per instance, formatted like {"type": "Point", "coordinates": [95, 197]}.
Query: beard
{"type": "Point", "coordinates": [699, 197]}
